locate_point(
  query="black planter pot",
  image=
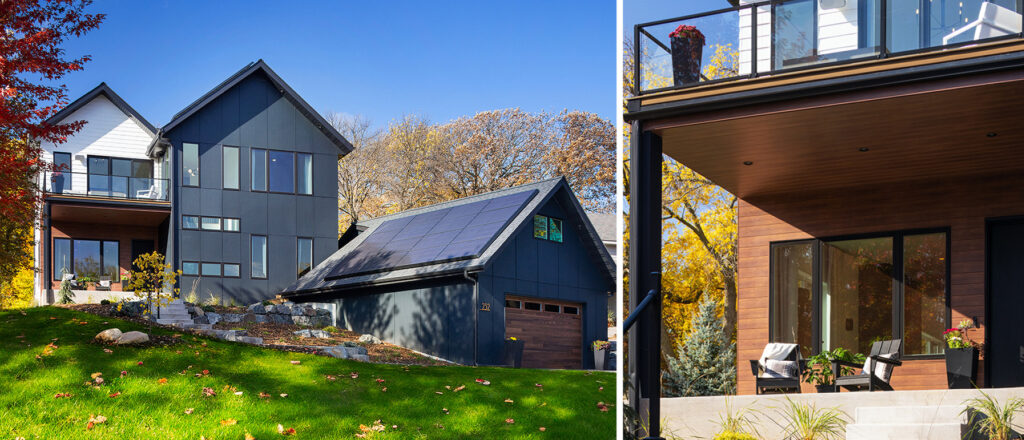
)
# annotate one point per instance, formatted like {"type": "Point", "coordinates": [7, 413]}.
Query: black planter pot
{"type": "Point", "coordinates": [599, 359]}
{"type": "Point", "coordinates": [686, 55]}
{"type": "Point", "coordinates": [512, 354]}
{"type": "Point", "coordinates": [961, 367]}
{"type": "Point", "coordinates": [830, 388]}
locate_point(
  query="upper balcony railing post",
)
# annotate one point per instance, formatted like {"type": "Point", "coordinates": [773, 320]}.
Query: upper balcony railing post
{"type": "Point", "coordinates": [753, 41]}
{"type": "Point", "coordinates": [883, 32]}
{"type": "Point", "coordinates": [637, 86]}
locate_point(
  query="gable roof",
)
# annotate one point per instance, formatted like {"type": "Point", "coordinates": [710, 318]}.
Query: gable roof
{"type": "Point", "coordinates": [604, 223]}
{"type": "Point", "coordinates": [259, 66]}
{"type": "Point", "coordinates": [105, 90]}
{"type": "Point", "coordinates": [319, 279]}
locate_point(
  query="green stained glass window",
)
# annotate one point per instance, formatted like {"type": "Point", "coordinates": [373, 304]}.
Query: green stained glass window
{"type": "Point", "coordinates": [540, 227]}
{"type": "Point", "coordinates": [555, 230]}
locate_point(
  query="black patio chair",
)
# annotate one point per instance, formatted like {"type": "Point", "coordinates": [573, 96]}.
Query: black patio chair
{"type": "Point", "coordinates": [763, 384]}
{"type": "Point", "coordinates": [868, 380]}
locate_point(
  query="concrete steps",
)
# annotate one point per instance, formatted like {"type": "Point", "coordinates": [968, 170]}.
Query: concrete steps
{"type": "Point", "coordinates": [908, 423]}
{"type": "Point", "coordinates": [174, 314]}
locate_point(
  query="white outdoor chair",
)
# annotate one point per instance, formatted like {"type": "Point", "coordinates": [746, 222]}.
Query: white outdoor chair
{"type": "Point", "coordinates": [146, 193]}
{"type": "Point", "coordinates": [993, 21]}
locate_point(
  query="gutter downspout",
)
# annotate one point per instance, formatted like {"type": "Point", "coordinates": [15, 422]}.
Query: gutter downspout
{"type": "Point", "coordinates": [476, 314]}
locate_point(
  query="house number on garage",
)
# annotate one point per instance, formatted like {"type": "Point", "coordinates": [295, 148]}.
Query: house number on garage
{"type": "Point", "coordinates": [485, 307]}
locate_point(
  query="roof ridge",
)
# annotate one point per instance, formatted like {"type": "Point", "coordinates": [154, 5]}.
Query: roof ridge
{"type": "Point", "coordinates": [473, 197]}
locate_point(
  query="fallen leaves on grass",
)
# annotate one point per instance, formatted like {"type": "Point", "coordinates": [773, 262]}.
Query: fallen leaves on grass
{"type": "Point", "coordinates": [107, 350]}
{"type": "Point", "coordinates": [285, 431]}
{"type": "Point", "coordinates": [367, 431]}
{"type": "Point", "coordinates": [354, 375]}
{"type": "Point", "coordinates": [331, 378]}
{"type": "Point", "coordinates": [510, 421]}
{"type": "Point", "coordinates": [459, 388]}
{"type": "Point", "coordinates": [62, 395]}
{"type": "Point", "coordinates": [264, 395]}
{"type": "Point", "coordinates": [542, 429]}
{"type": "Point", "coordinates": [284, 394]}
{"type": "Point", "coordinates": [249, 436]}
{"type": "Point", "coordinates": [438, 392]}
{"type": "Point", "coordinates": [113, 395]}
{"type": "Point", "coordinates": [189, 410]}
{"type": "Point", "coordinates": [94, 420]}
{"type": "Point", "coordinates": [483, 382]}
{"type": "Point", "coordinates": [384, 390]}
{"type": "Point", "coordinates": [140, 362]}
{"type": "Point", "coordinates": [602, 406]}
{"type": "Point", "coordinates": [296, 362]}
{"type": "Point", "coordinates": [379, 380]}
{"type": "Point", "coordinates": [124, 373]}
{"type": "Point", "coordinates": [509, 401]}
{"type": "Point", "coordinates": [209, 392]}
{"type": "Point", "coordinates": [444, 410]}
{"type": "Point", "coordinates": [228, 422]}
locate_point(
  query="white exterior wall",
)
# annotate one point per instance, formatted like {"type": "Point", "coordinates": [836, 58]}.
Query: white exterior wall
{"type": "Point", "coordinates": [837, 32]}
{"type": "Point", "coordinates": [108, 132]}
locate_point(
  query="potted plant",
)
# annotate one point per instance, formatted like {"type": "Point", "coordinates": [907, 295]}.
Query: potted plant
{"type": "Point", "coordinates": [87, 281]}
{"type": "Point", "coordinates": [687, 48]}
{"type": "Point", "coordinates": [961, 357]}
{"type": "Point", "coordinates": [512, 352]}
{"type": "Point", "coordinates": [819, 368]}
{"type": "Point", "coordinates": [600, 353]}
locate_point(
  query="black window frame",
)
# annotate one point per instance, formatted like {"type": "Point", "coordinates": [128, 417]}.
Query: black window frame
{"type": "Point", "coordinates": [252, 169]}
{"type": "Point", "coordinates": [518, 304]}
{"type": "Point", "coordinates": [199, 268]}
{"type": "Point", "coordinates": [266, 255]}
{"type": "Point", "coordinates": [222, 273]}
{"type": "Point", "coordinates": [295, 171]}
{"type": "Point", "coordinates": [220, 269]}
{"type": "Point", "coordinates": [199, 171]}
{"type": "Point", "coordinates": [224, 166]}
{"type": "Point", "coordinates": [223, 221]}
{"type": "Point", "coordinates": [67, 182]}
{"type": "Point", "coordinates": [115, 278]}
{"type": "Point", "coordinates": [898, 303]}
{"type": "Point", "coordinates": [312, 181]}
{"type": "Point", "coordinates": [297, 256]}
{"type": "Point", "coordinates": [199, 222]}
{"type": "Point", "coordinates": [220, 223]}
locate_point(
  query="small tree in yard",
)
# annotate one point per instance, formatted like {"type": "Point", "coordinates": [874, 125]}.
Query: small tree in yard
{"type": "Point", "coordinates": [152, 281]}
{"type": "Point", "coordinates": [706, 364]}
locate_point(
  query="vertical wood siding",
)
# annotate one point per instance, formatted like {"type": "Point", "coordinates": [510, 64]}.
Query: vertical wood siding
{"type": "Point", "coordinates": [962, 204]}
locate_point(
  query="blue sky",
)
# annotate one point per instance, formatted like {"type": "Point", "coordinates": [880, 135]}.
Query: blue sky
{"type": "Point", "coordinates": [378, 59]}
{"type": "Point", "coordinates": [641, 11]}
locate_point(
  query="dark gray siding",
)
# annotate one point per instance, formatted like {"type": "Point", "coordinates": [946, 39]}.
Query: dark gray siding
{"type": "Point", "coordinates": [544, 269]}
{"type": "Point", "coordinates": [431, 317]}
{"type": "Point", "coordinates": [253, 114]}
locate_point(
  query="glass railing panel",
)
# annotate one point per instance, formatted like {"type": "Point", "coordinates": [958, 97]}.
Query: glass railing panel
{"type": "Point", "coordinates": [682, 53]}
{"type": "Point", "coordinates": [811, 32]}
{"type": "Point", "coordinates": [915, 25]}
{"type": "Point", "coordinates": [101, 185]}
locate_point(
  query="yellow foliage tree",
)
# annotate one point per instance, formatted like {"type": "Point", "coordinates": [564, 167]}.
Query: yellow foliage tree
{"type": "Point", "coordinates": [699, 222]}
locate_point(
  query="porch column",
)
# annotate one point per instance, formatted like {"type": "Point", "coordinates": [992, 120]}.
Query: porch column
{"type": "Point", "coordinates": [644, 275]}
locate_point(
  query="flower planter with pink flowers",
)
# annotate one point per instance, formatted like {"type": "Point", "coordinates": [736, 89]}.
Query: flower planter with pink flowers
{"type": "Point", "coordinates": [687, 49]}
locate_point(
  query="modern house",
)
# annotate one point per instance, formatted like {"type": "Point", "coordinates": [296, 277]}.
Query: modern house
{"type": "Point", "coordinates": [455, 279]}
{"type": "Point", "coordinates": [875, 147]}
{"type": "Point", "coordinates": [238, 190]}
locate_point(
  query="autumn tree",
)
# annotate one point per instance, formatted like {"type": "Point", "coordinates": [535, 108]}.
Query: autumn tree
{"type": "Point", "coordinates": [359, 180]}
{"type": "Point", "coordinates": [414, 163]}
{"type": "Point", "coordinates": [32, 61]}
{"type": "Point", "coordinates": [699, 223]}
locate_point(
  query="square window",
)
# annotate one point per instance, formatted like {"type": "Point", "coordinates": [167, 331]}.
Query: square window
{"type": "Point", "coordinates": [189, 268]}
{"type": "Point", "coordinates": [231, 270]}
{"type": "Point", "coordinates": [189, 222]}
{"type": "Point", "coordinates": [540, 227]}
{"type": "Point", "coordinates": [231, 224]}
{"type": "Point", "coordinates": [211, 269]}
{"type": "Point", "coordinates": [555, 230]}
{"type": "Point", "coordinates": [211, 223]}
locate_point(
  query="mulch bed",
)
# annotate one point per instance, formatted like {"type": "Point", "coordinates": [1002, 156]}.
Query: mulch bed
{"type": "Point", "coordinates": [275, 336]}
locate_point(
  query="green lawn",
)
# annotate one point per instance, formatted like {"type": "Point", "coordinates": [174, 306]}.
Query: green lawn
{"type": "Point", "coordinates": [316, 406]}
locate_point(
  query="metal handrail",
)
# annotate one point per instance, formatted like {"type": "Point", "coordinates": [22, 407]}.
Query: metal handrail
{"type": "Point", "coordinates": [881, 17]}
{"type": "Point", "coordinates": [639, 308]}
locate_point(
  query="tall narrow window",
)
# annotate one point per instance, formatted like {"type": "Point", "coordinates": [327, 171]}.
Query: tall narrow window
{"type": "Point", "coordinates": [924, 293]}
{"type": "Point", "coordinates": [259, 256]}
{"type": "Point", "coordinates": [230, 167]}
{"type": "Point", "coordinates": [111, 268]}
{"type": "Point", "coordinates": [540, 227]}
{"type": "Point", "coordinates": [281, 170]}
{"type": "Point", "coordinates": [305, 173]}
{"type": "Point", "coordinates": [190, 164]}
{"type": "Point", "coordinates": [141, 184]}
{"type": "Point", "coordinates": [792, 306]}
{"type": "Point", "coordinates": [555, 230]}
{"type": "Point", "coordinates": [305, 252]}
{"type": "Point", "coordinates": [99, 176]}
{"type": "Point", "coordinates": [856, 293]}
{"type": "Point", "coordinates": [62, 175]}
{"type": "Point", "coordinates": [259, 170]}
{"type": "Point", "coordinates": [120, 172]}
{"type": "Point", "coordinates": [62, 263]}
{"type": "Point", "coordinates": [88, 262]}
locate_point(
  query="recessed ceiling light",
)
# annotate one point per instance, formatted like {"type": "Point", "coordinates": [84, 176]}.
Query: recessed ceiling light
{"type": "Point", "coordinates": [991, 134]}
{"type": "Point", "coordinates": [863, 149]}
{"type": "Point", "coordinates": [748, 163]}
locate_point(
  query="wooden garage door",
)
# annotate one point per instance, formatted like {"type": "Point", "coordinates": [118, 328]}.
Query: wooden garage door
{"type": "Point", "coordinates": [551, 331]}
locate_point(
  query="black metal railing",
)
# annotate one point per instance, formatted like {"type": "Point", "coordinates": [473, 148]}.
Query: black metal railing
{"type": "Point", "coordinates": [105, 186]}
{"type": "Point", "coordinates": [772, 36]}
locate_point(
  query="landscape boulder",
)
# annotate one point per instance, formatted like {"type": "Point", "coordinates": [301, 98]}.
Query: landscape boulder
{"type": "Point", "coordinates": [109, 335]}
{"type": "Point", "coordinates": [283, 309]}
{"type": "Point", "coordinates": [369, 339]}
{"type": "Point", "coordinates": [307, 333]}
{"type": "Point", "coordinates": [213, 318]}
{"type": "Point", "coordinates": [231, 318]}
{"type": "Point", "coordinates": [344, 352]}
{"type": "Point", "coordinates": [132, 338]}
{"type": "Point", "coordinates": [257, 308]}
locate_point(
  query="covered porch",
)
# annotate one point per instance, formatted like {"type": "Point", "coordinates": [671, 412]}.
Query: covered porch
{"type": "Point", "coordinates": [868, 211]}
{"type": "Point", "coordinates": [93, 244]}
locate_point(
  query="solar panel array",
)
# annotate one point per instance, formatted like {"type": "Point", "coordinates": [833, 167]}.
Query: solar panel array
{"type": "Point", "coordinates": [449, 234]}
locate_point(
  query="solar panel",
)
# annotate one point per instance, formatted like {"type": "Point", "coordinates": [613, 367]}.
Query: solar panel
{"type": "Point", "coordinates": [450, 234]}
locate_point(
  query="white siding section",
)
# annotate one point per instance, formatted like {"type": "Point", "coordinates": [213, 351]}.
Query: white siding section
{"type": "Point", "coordinates": [108, 132]}
{"type": "Point", "coordinates": [837, 32]}
{"type": "Point", "coordinates": [837, 28]}
{"type": "Point", "coordinates": [764, 39]}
